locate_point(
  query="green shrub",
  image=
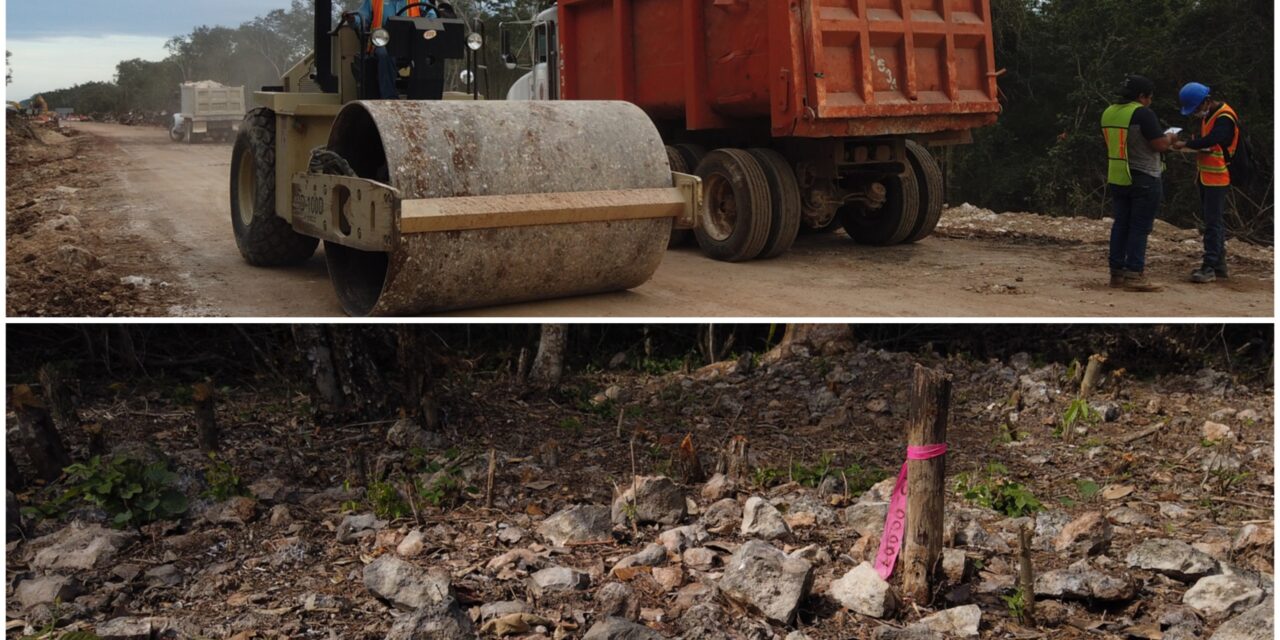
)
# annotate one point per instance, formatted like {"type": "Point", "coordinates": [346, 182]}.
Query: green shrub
{"type": "Point", "coordinates": [386, 501]}
{"type": "Point", "coordinates": [222, 479]}
{"type": "Point", "coordinates": [131, 491]}
{"type": "Point", "coordinates": [991, 489]}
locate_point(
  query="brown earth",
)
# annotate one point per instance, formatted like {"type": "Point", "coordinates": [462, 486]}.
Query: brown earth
{"type": "Point", "coordinates": [171, 200]}
{"type": "Point", "coordinates": [264, 579]}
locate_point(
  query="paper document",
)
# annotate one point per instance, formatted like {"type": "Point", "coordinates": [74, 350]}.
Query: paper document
{"type": "Point", "coordinates": [1173, 130]}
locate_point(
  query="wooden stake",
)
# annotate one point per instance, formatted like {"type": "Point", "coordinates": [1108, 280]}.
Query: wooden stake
{"type": "Point", "coordinates": [1026, 576]}
{"type": "Point", "coordinates": [40, 438]}
{"type": "Point", "coordinates": [927, 424]}
{"type": "Point", "coordinates": [206, 418]}
{"type": "Point", "coordinates": [488, 487]}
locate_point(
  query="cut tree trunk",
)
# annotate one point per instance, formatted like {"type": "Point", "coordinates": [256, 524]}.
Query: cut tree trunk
{"type": "Point", "coordinates": [206, 416]}
{"type": "Point", "coordinates": [927, 424]}
{"type": "Point", "coordinates": [809, 339]}
{"type": "Point", "coordinates": [548, 365]}
{"type": "Point", "coordinates": [40, 439]}
{"type": "Point", "coordinates": [314, 345]}
{"type": "Point", "coordinates": [60, 398]}
{"type": "Point", "coordinates": [1092, 372]}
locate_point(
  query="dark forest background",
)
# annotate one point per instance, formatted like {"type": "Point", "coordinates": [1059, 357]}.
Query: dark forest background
{"type": "Point", "coordinates": [1063, 61]}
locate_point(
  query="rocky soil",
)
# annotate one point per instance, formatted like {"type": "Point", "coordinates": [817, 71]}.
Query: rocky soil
{"type": "Point", "coordinates": [1156, 521]}
{"type": "Point", "coordinates": [65, 257]}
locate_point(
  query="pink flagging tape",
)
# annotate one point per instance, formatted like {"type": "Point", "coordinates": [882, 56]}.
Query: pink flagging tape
{"type": "Point", "coordinates": [895, 521]}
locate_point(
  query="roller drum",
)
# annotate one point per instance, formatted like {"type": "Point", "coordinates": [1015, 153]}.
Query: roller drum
{"type": "Point", "coordinates": [439, 149]}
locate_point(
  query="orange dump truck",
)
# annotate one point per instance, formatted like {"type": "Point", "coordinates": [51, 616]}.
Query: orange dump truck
{"type": "Point", "coordinates": [795, 113]}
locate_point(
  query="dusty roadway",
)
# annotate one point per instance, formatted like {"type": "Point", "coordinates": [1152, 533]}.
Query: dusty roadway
{"type": "Point", "coordinates": [180, 201]}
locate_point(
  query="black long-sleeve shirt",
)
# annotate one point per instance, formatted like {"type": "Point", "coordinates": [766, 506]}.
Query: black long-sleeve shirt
{"type": "Point", "coordinates": [1223, 132]}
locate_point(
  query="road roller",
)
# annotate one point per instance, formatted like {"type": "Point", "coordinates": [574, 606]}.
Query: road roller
{"type": "Point", "coordinates": [426, 204]}
{"type": "Point", "coordinates": [799, 115]}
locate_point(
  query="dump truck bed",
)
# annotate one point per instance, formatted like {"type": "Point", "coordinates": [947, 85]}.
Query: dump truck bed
{"type": "Point", "coordinates": [804, 68]}
{"type": "Point", "coordinates": [212, 101]}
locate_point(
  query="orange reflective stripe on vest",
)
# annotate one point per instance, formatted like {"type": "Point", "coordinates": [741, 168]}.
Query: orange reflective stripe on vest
{"type": "Point", "coordinates": [1212, 162]}
{"type": "Point", "coordinates": [415, 11]}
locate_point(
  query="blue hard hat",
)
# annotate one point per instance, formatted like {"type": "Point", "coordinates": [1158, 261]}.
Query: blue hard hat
{"type": "Point", "coordinates": [1191, 95]}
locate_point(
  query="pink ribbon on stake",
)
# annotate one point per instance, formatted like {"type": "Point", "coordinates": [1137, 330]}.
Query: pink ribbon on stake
{"type": "Point", "coordinates": [894, 522]}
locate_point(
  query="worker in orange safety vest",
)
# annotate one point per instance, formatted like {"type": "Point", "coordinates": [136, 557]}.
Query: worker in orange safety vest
{"type": "Point", "coordinates": [1219, 139]}
{"type": "Point", "coordinates": [372, 15]}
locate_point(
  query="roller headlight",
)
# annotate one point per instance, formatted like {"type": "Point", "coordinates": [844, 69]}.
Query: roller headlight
{"type": "Point", "coordinates": [381, 37]}
{"type": "Point", "coordinates": [475, 41]}
{"type": "Point", "coordinates": [430, 34]}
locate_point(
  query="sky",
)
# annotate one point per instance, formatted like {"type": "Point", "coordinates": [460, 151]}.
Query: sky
{"type": "Point", "coordinates": [57, 45]}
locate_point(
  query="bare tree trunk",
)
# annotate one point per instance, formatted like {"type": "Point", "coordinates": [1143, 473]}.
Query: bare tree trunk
{"type": "Point", "coordinates": [314, 344]}
{"type": "Point", "coordinates": [124, 346]}
{"type": "Point", "coordinates": [13, 479]}
{"type": "Point", "coordinates": [40, 438]}
{"type": "Point", "coordinates": [548, 365]}
{"type": "Point", "coordinates": [206, 416]}
{"type": "Point", "coordinates": [60, 399]}
{"type": "Point", "coordinates": [807, 339]}
{"type": "Point", "coordinates": [414, 364]}
{"type": "Point", "coordinates": [926, 425]}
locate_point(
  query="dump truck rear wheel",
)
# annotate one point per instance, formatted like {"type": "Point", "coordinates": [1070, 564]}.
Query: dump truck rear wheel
{"type": "Point", "coordinates": [735, 221]}
{"type": "Point", "coordinates": [893, 221]}
{"type": "Point", "coordinates": [692, 154]}
{"type": "Point", "coordinates": [784, 196]}
{"type": "Point", "coordinates": [679, 237]}
{"type": "Point", "coordinates": [929, 181]}
{"type": "Point", "coordinates": [264, 239]}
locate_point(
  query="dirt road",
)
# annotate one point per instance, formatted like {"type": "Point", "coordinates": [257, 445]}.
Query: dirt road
{"type": "Point", "coordinates": [979, 268]}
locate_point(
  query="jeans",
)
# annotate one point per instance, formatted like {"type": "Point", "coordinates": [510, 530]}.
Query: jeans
{"type": "Point", "coordinates": [1213, 202]}
{"type": "Point", "coordinates": [1135, 208]}
{"type": "Point", "coordinates": [387, 75]}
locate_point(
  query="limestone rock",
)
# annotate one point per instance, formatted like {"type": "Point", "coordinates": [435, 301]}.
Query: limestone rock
{"type": "Point", "coordinates": [441, 620]}
{"type": "Point", "coordinates": [1255, 624]}
{"type": "Point", "coordinates": [863, 591]}
{"type": "Point", "coordinates": [763, 577]}
{"type": "Point", "coordinates": [1088, 534]}
{"type": "Point", "coordinates": [1081, 581]}
{"type": "Point", "coordinates": [554, 579]}
{"type": "Point", "coordinates": [762, 520]}
{"type": "Point", "coordinates": [1173, 558]}
{"type": "Point", "coordinates": [656, 499]}
{"type": "Point", "coordinates": [75, 548]}
{"type": "Point", "coordinates": [579, 523]}
{"type": "Point", "coordinates": [620, 629]}
{"type": "Point", "coordinates": [404, 585]}
{"type": "Point", "coordinates": [1222, 595]}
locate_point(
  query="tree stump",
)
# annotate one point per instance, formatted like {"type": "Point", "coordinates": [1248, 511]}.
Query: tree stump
{"type": "Point", "coordinates": [927, 424]}
{"type": "Point", "coordinates": [206, 418]}
{"type": "Point", "coordinates": [39, 437]}
{"type": "Point", "coordinates": [60, 398]}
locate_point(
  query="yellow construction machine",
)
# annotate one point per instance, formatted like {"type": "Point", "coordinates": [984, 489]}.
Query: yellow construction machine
{"type": "Point", "coordinates": [426, 204]}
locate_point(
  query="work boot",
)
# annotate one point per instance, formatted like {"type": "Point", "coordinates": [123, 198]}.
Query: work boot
{"type": "Point", "coordinates": [1137, 281]}
{"type": "Point", "coordinates": [1220, 271]}
{"type": "Point", "coordinates": [1117, 279]}
{"type": "Point", "coordinates": [1204, 274]}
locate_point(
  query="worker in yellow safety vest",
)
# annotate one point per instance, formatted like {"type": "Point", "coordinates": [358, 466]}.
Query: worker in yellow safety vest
{"type": "Point", "coordinates": [372, 15]}
{"type": "Point", "coordinates": [1134, 164]}
{"type": "Point", "coordinates": [1219, 139]}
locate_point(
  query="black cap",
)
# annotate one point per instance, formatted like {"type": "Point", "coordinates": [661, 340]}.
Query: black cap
{"type": "Point", "coordinates": [1135, 85]}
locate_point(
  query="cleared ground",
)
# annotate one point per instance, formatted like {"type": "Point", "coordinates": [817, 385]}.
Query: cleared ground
{"type": "Point", "coordinates": [174, 197]}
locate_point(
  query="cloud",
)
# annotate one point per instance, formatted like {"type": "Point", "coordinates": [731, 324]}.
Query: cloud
{"type": "Point", "coordinates": [46, 64]}
{"type": "Point", "coordinates": [159, 18]}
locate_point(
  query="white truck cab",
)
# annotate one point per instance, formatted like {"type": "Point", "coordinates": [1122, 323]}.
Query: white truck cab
{"type": "Point", "coordinates": [542, 82]}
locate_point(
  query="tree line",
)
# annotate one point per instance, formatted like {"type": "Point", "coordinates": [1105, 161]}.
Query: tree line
{"type": "Point", "coordinates": [258, 52]}
{"type": "Point", "coordinates": [1064, 61]}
